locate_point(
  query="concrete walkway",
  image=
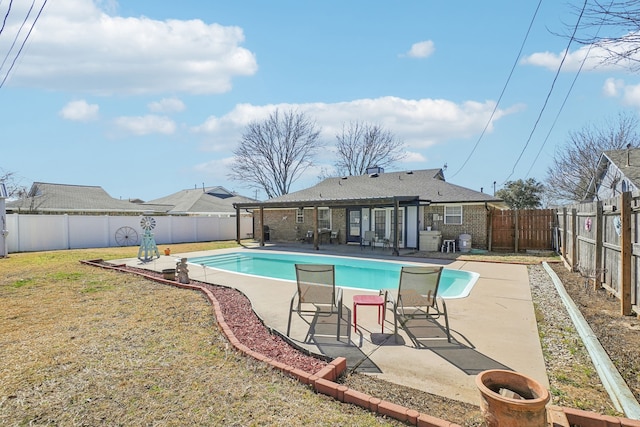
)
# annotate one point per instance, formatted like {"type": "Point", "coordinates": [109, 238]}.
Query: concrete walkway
{"type": "Point", "coordinates": [493, 328]}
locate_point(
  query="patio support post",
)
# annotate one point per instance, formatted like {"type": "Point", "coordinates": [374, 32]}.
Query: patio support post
{"type": "Point", "coordinates": [396, 209]}
{"type": "Point", "coordinates": [315, 228]}
{"type": "Point", "coordinates": [261, 225]}
{"type": "Point", "coordinates": [237, 225]}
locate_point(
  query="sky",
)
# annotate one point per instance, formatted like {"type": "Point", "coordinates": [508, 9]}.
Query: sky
{"type": "Point", "coordinates": [146, 98]}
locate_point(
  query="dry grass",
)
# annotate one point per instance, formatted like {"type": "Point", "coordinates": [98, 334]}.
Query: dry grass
{"type": "Point", "coordinates": [84, 346]}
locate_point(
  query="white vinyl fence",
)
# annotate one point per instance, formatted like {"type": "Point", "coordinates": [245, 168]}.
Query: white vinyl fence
{"type": "Point", "coordinates": [29, 233]}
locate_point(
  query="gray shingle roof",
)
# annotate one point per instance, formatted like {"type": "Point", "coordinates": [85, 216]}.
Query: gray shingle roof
{"type": "Point", "coordinates": [209, 200]}
{"type": "Point", "coordinates": [48, 197]}
{"type": "Point", "coordinates": [628, 161]}
{"type": "Point", "coordinates": [427, 185]}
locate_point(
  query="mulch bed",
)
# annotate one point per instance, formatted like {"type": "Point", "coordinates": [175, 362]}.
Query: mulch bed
{"type": "Point", "coordinates": [249, 329]}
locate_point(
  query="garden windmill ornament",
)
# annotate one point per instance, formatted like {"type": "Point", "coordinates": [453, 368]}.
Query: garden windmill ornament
{"type": "Point", "coordinates": [148, 246]}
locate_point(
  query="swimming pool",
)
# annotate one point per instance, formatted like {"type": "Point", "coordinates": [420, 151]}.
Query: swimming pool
{"type": "Point", "coordinates": [350, 272]}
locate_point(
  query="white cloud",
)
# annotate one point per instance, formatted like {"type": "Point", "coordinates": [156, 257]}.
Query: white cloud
{"type": "Point", "coordinates": [421, 49]}
{"type": "Point", "coordinates": [79, 111]}
{"type": "Point", "coordinates": [628, 94]}
{"type": "Point", "coordinates": [414, 157]}
{"type": "Point", "coordinates": [419, 123]}
{"type": "Point", "coordinates": [75, 45]}
{"type": "Point", "coordinates": [612, 87]}
{"type": "Point", "coordinates": [145, 125]}
{"type": "Point", "coordinates": [594, 60]}
{"type": "Point", "coordinates": [167, 105]}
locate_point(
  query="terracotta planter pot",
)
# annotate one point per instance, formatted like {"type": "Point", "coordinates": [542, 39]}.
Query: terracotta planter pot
{"type": "Point", "coordinates": [167, 251]}
{"type": "Point", "coordinates": [512, 399]}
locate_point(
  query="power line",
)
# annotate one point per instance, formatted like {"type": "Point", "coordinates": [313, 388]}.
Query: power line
{"type": "Point", "coordinates": [504, 88]}
{"type": "Point", "coordinates": [553, 83]}
{"type": "Point", "coordinates": [15, 59]}
{"type": "Point", "coordinates": [6, 16]}
{"type": "Point", "coordinates": [584, 60]}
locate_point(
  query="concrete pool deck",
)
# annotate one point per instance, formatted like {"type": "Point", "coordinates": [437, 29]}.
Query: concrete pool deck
{"type": "Point", "coordinates": [493, 328]}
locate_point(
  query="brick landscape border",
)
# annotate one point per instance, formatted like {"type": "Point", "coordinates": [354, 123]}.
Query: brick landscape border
{"type": "Point", "coordinates": [324, 381]}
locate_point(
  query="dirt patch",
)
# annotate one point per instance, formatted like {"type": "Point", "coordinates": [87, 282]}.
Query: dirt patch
{"type": "Point", "coordinates": [619, 335]}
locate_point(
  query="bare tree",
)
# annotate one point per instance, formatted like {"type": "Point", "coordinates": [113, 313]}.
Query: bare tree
{"type": "Point", "coordinates": [575, 163]}
{"type": "Point", "coordinates": [362, 145]}
{"type": "Point", "coordinates": [275, 152]}
{"type": "Point", "coordinates": [10, 179]}
{"type": "Point", "coordinates": [613, 26]}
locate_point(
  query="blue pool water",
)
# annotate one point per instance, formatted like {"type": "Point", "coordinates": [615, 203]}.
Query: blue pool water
{"type": "Point", "coordinates": [350, 272]}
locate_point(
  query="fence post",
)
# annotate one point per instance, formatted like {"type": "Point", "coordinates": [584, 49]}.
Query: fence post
{"type": "Point", "coordinates": [490, 230]}
{"type": "Point", "coordinates": [625, 253]}
{"type": "Point", "coordinates": [598, 267]}
{"type": "Point", "coordinates": [563, 243]}
{"type": "Point", "coordinates": [516, 227]}
{"type": "Point", "coordinates": [574, 239]}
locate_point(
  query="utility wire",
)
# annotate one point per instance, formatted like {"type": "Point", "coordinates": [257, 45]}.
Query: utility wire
{"type": "Point", "coordinates": [13, 63]}
{"type": "Point", "coordinates": [584, 60]}
{"type": "Point", "coordinates": [6, 15]}
{"type": "Point", "coordinates": [553, 83]}
{"type": "Point", "coordinates": [504, 88]}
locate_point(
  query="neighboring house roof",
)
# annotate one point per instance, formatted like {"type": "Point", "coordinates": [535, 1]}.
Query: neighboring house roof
{"type": "Point", "coordinates": [426, 185]}
{"type": "Point", "coordinates": [48, 197]}
{"type": "Point", "coordinates": [208, 200]}
{"type": "Point", "coordinates": [614, 166]}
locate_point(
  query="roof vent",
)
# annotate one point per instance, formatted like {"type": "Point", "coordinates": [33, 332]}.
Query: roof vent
{"type": "Point", "coordinates": [375, 170]}
{"type": "Point", "coordinates": [409, 172]}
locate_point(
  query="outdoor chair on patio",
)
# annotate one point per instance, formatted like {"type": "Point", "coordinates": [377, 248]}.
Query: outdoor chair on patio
{"type": "Point", "coordinates": [417, 296]}
{"type": "Point", "coordinates": [316, 293]}
{"type": "Point", "coordinates": [309, 237]}
{"type": "Point", "coordinates": [369, 239]}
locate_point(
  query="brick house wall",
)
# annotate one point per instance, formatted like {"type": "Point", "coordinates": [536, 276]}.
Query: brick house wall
{"type": "Point", "coordinates": [283, 225]}
{"type": "Point", "coordinates": [284, 228]}
{"type": "Point", "coordinates": [474, 222]}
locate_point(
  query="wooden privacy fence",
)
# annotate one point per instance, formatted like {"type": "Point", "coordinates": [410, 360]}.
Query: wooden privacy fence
{"type": "Point", "coordinates": [598, 239]}
{"type": "Point", "coordinates": [522, 229]}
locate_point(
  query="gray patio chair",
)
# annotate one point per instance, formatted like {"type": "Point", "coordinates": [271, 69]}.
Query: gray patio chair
{"type": "Point", "coordinates": [368, 239]}
{"type": "Point", "coordinates": [417, 295]}
{"type": "Point", "coordinates": [316, 293]}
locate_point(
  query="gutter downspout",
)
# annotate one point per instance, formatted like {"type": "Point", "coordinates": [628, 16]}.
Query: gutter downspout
{"type": "Point", "coordinates": [619, 392]}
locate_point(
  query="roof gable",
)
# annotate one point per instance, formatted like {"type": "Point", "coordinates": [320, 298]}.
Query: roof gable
{"type": "Point", "coordinates": [200, 200]}
{"type": "Point", "coordinates": [614, 167]}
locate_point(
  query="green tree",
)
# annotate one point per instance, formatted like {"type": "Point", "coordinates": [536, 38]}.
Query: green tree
{"type": "Point", "coordinates": [521, 194]}
{"type": "Point", "coordinates": [274, 153]}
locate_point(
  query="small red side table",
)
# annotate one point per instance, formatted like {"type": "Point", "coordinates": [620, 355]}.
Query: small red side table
{"type": "Point", "coordinates": [375, 300]}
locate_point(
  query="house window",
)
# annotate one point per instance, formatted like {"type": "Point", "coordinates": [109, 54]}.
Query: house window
{"type": "Point", "coordinates": [324, 218]}
{"type": "Point", "coordinates": [453, 215]}
{"type": "Point", "coordinates": [300, 216]}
